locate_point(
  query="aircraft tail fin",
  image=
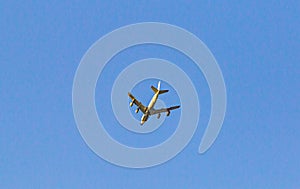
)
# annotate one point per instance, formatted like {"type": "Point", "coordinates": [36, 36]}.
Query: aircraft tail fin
{"type": "Point", "coordinates": [158, 85]}
{"type": "Point", "coordinates": [155, 90]}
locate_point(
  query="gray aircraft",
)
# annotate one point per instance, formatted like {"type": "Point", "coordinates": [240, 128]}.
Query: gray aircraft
{"type": "Point", "coordinates": [149, 110]}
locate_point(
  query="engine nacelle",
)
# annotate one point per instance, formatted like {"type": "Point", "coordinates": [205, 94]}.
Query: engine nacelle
{"type": "Point", "coordinates": [168, 113]}
{"type": "Point", "coordinates": [131, 104]}
{"type": "Point", "coordinates": [158, 116]}
{"type": "Point", "coordinates": [137, 110]}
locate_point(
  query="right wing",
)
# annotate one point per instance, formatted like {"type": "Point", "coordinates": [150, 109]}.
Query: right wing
{"type": "Point", "coordinates": [136, 102]}
{"type": "Point", "coordinates": [168, 110]}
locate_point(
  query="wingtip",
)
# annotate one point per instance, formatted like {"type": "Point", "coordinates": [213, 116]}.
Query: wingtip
{"type": "Point", "coordinates": [130, 95]}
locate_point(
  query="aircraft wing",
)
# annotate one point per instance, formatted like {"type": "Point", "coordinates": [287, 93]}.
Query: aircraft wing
{"type": "Point", "coordinates": [168, 110]}
{"type": "Point", "coordinates": [138, 103]}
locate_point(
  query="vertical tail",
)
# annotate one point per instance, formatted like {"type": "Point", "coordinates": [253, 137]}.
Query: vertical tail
{"type": "Point", "coordinates": [158, 86]}
{"type": "Point", "coordinates": [157, 90]}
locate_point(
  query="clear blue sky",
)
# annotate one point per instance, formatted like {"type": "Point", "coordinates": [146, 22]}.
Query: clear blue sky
{"type": "Point", "coordinates": [256, 45]}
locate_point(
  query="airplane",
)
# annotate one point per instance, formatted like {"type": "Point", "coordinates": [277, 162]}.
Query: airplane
{"type": "Point", "coordinates": [149, 110]}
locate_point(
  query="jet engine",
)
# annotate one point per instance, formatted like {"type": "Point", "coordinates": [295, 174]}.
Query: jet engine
{"type": "Point", "coordinates": [137, 110]}
{"type": "Point", "coordinates": [158, 116]}
{"type": "Point", "coordinates": [131, 104]}
{"type": "Point", "coordinates": [168, 113]}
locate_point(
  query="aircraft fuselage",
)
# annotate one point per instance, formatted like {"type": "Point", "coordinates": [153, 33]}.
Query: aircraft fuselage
{"type": "Point", "coordinates": [153, 101]}
{"type": "Point", "coordinates": [149, 107]}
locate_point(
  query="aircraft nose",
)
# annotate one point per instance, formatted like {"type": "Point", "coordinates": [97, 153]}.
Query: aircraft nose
{"type": "Point", "coordinates": [142, 122]}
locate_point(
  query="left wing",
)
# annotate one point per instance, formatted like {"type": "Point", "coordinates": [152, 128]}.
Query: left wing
{"type": "Point", "coordinates": [168, 110]}
{"type": "Point", "coordinates": [138, 103]}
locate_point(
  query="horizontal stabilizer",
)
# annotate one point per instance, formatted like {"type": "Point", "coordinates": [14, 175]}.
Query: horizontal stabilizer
{"type": "Point", "coordinates": [154, 89]}
{"type": "Point", "coordinates": [163, 91]}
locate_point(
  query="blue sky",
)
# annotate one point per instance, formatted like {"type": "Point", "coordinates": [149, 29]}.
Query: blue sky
{"type": "Point", "coordinates": [257, 48]}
